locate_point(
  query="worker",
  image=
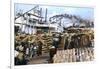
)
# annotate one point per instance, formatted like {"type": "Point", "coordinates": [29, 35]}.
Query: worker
{"type": "Point", "coordinates": [39, 51]}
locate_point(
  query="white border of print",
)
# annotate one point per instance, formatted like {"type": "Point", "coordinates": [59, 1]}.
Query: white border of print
{"type": "Point", "coordinates": [76, 3]}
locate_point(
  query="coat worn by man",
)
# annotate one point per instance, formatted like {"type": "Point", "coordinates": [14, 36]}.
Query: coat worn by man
{"type": "Point", "coordinates": [52, 52]}
{"type": "Point", "coordinates": [20, 59]}
{"type": "Point", "coordinates": [56, 40]}
{"type": "Point", "coordinates": [39, 51]}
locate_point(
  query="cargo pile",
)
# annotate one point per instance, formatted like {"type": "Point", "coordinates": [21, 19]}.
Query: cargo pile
{"type": "Point", "coordinates": [74, 55]}
{"type": "Point", "coordinates": [47, 43]}
{"type": "Point", "coordinates": [60, 47]}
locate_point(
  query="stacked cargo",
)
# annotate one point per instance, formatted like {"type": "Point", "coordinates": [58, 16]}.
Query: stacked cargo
{"type": "Point", "coordinates": [74, 55]}
{"type": "Point", "coordinates": [47, 43]}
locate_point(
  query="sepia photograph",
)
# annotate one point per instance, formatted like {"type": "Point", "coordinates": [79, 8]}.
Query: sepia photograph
{"type": "Point", "coordinates": [49, 34]}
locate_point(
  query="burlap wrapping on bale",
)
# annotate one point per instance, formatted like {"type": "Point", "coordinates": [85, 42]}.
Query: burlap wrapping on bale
{"type": "Point", "coordinates": [74, 55]}
{"type": "Point", "coordinates": [47, 43]}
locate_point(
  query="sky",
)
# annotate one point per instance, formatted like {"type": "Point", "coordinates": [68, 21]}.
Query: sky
{"type": "Point", "coordinates": [83, 12]}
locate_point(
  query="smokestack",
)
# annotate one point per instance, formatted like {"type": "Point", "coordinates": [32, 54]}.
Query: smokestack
{"type": "Point", "coordinates": [46, 15]}
{"type": "Point", "coordinates": [41, 14]}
